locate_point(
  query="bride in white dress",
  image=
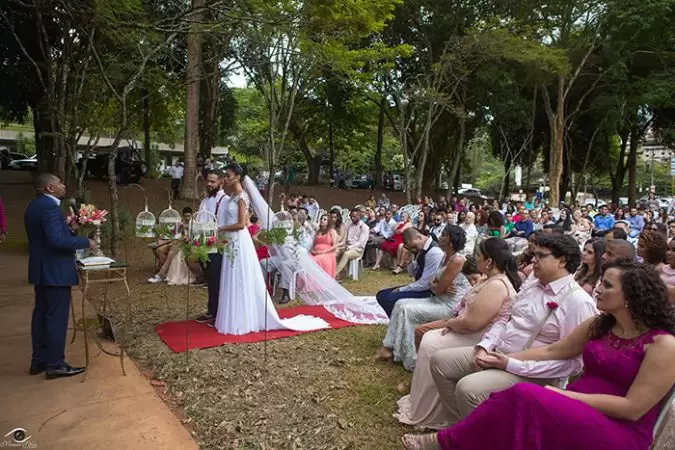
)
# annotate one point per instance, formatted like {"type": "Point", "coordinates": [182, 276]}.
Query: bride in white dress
{"type": "Point", "coordinates": [244, 305]}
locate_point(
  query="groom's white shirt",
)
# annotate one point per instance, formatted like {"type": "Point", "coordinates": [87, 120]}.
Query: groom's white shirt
{"type": "Point", "coordinates": [216, 206]}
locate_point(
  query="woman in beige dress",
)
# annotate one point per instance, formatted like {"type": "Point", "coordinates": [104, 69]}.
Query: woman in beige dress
{"type": "Point", "coordinates": [486, 303]}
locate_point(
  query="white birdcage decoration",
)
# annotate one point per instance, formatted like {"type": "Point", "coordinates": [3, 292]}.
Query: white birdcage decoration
{"type": "Point", "coordinates": [170, 222]}
{"type": "Point", "coordinates": [204, 226]}
{"type": "Point", "coordinates": [145, 223]}
{"type": "Point", "coordinates": [283, 219]}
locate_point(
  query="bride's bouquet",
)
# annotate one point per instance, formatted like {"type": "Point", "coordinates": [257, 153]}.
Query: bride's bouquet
{"type": "Point", "coordinates": [86, 220]}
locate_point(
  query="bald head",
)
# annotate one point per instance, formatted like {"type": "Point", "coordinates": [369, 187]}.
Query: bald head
{"type": "Point", "coordinates": [43, 180]}
{"type": "Point", "coordinates": [48, 183]}
{"type": "Point", "coordinates": [618, 248]}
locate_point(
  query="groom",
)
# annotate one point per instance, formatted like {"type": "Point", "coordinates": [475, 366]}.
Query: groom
{"type": "Point", "coordinates": [212, 202]}
{"type": "Point", "coordinates": [428, 257]}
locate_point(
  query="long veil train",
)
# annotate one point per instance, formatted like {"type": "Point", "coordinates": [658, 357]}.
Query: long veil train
{"type": "Point", "coordinates": [318, 288]}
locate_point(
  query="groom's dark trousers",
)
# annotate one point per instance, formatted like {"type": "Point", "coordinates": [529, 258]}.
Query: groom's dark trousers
{"type": "Point", "coordinates": [212, 272]}
{"type": "Point", "coordinates": [387, 298]}
{"type": "Point", "coordinates": [51, 269]}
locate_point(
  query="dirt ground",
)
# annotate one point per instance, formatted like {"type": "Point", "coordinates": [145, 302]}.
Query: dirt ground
{"type": "Point", "coordinates": [316, 391]}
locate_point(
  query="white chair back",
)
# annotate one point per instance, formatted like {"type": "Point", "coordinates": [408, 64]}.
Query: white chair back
{"type": "Point", "coordinates": [668, 405]}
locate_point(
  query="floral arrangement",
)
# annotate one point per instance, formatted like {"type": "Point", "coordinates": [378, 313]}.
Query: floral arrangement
{"type": "Point", "coordinates": [199, 248]}
{"type": "Point", "coordinates": [275, 236]}
{"type": "Point", "coordinates": [87, 219]}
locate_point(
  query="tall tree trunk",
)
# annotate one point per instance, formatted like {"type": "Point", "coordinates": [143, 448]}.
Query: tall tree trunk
{"type": "Point", "coordinates": [557, 144]}
{"type": "Point", "coordinates": [331, 148]}
{"type": "Point", "coordinates": [146, 132]}
{"type": "Point", "coordinates": [632, 165]}
{"type": "Point", "coordinates": [380, 142]}
{"type": "Point", "coordinates": [194, 60]}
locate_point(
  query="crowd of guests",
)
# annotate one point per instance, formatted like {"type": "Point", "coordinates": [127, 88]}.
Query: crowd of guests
{"type": "Point", "coordinates": [560, 341]}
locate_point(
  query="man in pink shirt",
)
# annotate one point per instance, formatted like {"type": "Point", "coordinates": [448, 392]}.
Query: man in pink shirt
{"type": "Point", "coordinates": [544, 312]}
{"type": "Point", "coordinates": [356, 240]}
{"type": "Point", "coordinates": [3, 222]}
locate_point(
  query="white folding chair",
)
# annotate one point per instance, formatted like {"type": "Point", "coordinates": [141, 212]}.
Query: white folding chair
{"type": "Point", "coordinates": [667, 412]}
{"type": "Point", "coordinates": [355, 268]}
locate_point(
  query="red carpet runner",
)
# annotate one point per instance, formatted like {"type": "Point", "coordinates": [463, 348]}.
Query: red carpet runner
{"type": "Point", "coordinates": [202, 336]}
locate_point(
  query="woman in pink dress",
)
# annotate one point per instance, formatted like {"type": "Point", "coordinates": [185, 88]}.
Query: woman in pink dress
{"type": "Point", "coordinates": [487, 302]}
{"type": "Point", "coordinates": [325, 244]}
{"type": "Point", "coordinates": [628, 371]}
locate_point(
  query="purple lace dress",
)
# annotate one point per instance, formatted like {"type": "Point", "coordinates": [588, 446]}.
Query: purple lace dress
{"type": "Point", "coordinates": [530, 417]}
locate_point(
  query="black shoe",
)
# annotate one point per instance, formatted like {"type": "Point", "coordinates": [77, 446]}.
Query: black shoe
{"type": "Point", "coordinates": [204, 318]}
{"type": "Point", "coordinates": [285, 298]}
{"type": "Point", "coordinates": [36, 369]}
{"type": "Point", "coordinates": [64, 371]}
{"type": "Point", "coordinates": [211, 323]}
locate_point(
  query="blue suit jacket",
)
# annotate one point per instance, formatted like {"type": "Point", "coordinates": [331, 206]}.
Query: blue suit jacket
{"type": "Point", "coordinates": [51, 244]}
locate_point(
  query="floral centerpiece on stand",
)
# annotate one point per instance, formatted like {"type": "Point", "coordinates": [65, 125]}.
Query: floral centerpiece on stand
{"type": "Point", "coordinates": [198, 248]}
{"type": "Point", "coordinates": [87, 221]}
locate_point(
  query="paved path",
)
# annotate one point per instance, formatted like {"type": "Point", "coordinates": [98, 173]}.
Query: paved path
{"type": "Point", "coordinates": [102, 410]}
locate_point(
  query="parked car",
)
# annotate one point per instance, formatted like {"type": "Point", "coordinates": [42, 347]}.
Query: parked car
{"type": "Point", "coordinates": [398, 183]}
{"type": "Point", "coordinates": [129, 165]}
{"type": "Point", "coordinates": [24, 163]}
{"type": "Point", "coordinates": [359, 182]}
{"type": "Point", "coordinates": [471, 192]}
{"type": "Point", "coordinates": [6, 157]}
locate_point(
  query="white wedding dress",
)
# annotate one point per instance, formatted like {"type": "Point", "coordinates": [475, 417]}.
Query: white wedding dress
{"type": "Point", "coordinates": [313, 285]}
{"type": "Point", "coordinates": [244, 305]}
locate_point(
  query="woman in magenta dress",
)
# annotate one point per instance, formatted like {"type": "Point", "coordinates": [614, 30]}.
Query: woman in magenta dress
{"type": "Point", "coordinates": [325, 244]}
{"type": "Point", "coordinates": [628, 371]}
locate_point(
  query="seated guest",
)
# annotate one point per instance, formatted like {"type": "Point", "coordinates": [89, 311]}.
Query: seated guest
{"type": "Point", "coordinates": [614, 404]}
{"type": "Point", "coordinates": [616, 233]}
{"type": "Point", "coordinates": [341, 230]}
{"type": "Point", "coordinates": [589, 273]}
{"type": "Point", "coordinates": [393, 245]}
{"type": "Point", "coordinates": [438, 225]}
{"type": "Point", "coordinates": [486, 303]}
{"type": "Point", "coordinates": [471, 272]}
{"type": "Point", "coordinates": [428, 257]}
{"type": "Point", "coordinates": [304, 230]}
{"type": "Point", "coordinates": [325, 244]}
{"type": "Point", "coordinates": [603, 221]}
{"type": "Point", "coordinates": [637, 223]}
{"type": "Point", "coordinates": [355, 242]}
{"type": "Point", "coordinates": [176, 270]}
{"type": "Point", "coordinates": [471, 232]}
{"type": "Point", "coordinates": [668, 271]}
{"type": "Point", "coordinates": [495, 224]}
{"type": "Point", "coordinates": [520, 233]}
{"type": "Point", "coordinates": [421, 223]}
{"type": "Point", "coordinates": [544, 312]}
{"type": "Point", "coordinates": [652, 247]}
{"type": "Point", "coordinates": [383, 230]}
{"type": "Point", "coordinates": [409, 313]}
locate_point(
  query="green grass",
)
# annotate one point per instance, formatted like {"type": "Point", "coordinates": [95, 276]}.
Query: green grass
{"type": "Point", "coordinates": [314, 391]}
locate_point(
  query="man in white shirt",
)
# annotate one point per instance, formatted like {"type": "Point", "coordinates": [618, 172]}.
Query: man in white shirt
{"type": "Point", "coordinates": [428, 257]}
{"type": "Point", "coordinates": [382, 231]}
{"type": "Point", "coordinates": [544, 312]}
{"type": "Point", "coordinates": [176, 172]}
{"type": "Point", "coordinates": [438, 225]}
{"type": "Point", "coordinates": [212, 203]}
{"type": "Point", "coordinates": [357, 237]}
{"type": "Point", "coordinates": [471, 233]}
{"type": "Point", "coordinates": [312, 207]}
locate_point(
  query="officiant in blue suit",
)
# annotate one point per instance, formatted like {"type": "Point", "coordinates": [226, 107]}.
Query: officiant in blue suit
{"type": "Point", "coordinates": [52, 271]}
